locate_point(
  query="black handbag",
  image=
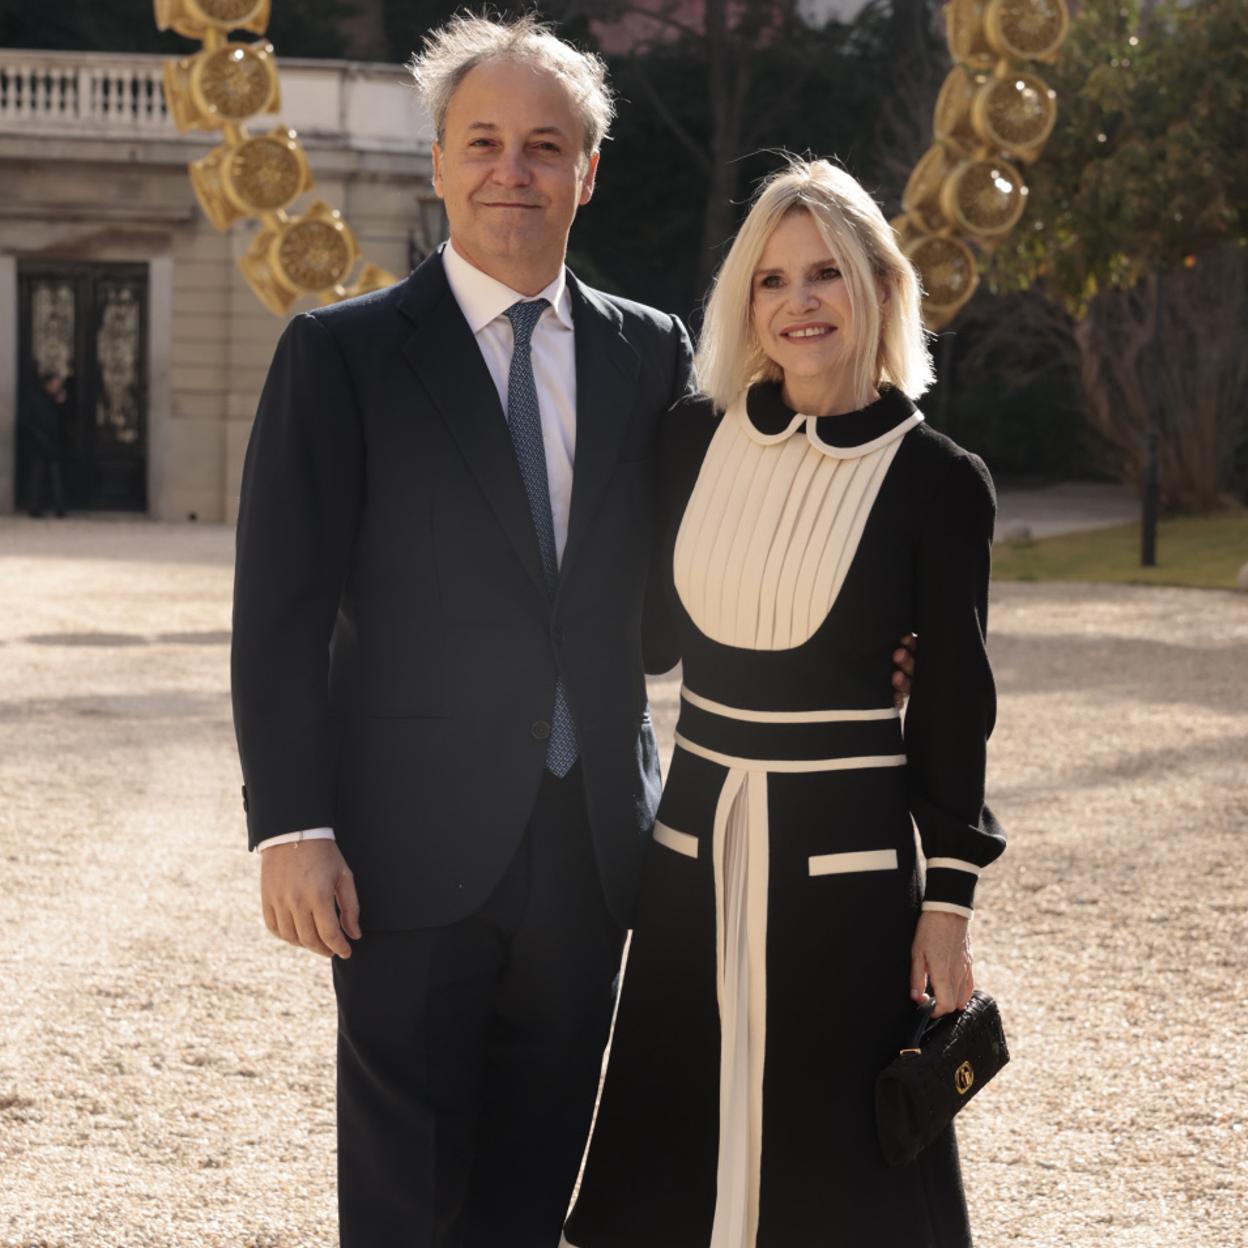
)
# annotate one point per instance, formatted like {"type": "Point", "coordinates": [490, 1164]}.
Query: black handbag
{"type": "Point", "coordinates": [943, 1066]}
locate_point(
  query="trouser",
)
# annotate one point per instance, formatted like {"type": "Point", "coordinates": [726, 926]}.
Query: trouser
{"type": "Point", "coordinates": [45, 467]}
{"type": "Point", "coordinates": [469, 1055]}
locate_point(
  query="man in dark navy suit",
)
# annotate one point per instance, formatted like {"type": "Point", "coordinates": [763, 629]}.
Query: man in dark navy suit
{"type": "Point", "coordinates": [438, 664]}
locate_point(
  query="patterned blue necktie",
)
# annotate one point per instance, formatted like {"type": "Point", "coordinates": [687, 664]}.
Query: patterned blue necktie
{"type": "Point", "coordinates": [524, 419]}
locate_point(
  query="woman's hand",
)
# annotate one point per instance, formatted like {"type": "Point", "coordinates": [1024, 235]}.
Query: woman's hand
{"type": "Point", "coordinates": [941, 956]}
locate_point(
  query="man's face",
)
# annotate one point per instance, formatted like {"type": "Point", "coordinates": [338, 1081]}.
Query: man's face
{"type": "Point", "coordinates": [513, 170]}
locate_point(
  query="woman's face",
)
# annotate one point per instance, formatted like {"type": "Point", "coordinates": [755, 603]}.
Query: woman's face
{"type": "Point", "coordinates": [800, 302]}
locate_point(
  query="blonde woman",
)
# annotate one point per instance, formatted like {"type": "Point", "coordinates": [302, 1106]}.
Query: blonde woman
{"type": "Point", "coordinates": [785, 929]}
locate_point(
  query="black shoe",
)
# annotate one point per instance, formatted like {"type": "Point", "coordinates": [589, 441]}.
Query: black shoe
{"type": "Point", "coordinates": [60, 515]}
{"type": "Point", "coordinates": [35, 515]}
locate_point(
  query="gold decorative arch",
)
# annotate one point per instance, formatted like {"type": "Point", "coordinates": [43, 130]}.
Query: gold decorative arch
{"type": "Point", "coordinates": [259, 176]}
{"type": "Point", "coordinates": [994, 114]}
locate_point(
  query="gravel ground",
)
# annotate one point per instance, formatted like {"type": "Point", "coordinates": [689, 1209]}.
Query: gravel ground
{"type": "Point", "coordinates": [166, 1067]}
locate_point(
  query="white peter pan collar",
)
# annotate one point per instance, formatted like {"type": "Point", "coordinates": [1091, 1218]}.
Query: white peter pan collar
{"type": "Point", "coordinates": [767, 420]}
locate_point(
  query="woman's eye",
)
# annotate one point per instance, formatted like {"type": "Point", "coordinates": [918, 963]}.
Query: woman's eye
{"type": "Point", "coordinates": [830, 273]}
{"type": "Point", "coordinates": [770, 282]}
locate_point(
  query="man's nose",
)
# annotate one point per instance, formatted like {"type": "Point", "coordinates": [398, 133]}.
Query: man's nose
{"type": "Point", "coordinates": [512, 167]}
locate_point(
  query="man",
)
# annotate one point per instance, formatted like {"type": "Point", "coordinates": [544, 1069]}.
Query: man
{"type": "Point", "coordinates": [438, 669]}
{"type": "Point", "coordinates": [41, 418]}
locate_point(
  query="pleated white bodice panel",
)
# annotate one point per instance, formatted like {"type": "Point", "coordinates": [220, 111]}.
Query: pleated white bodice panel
{"type": "Point", "coordinates": [772, 526]}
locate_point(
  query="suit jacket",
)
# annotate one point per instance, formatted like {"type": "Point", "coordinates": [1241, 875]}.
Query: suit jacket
{"type": "Point", "coordinates": [395, 650]}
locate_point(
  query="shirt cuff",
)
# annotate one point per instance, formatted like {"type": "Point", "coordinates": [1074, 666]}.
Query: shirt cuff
{"type": "Point", "coordinates": [950, 886]}
{"type": "Point", "coordinates": [291, 838]}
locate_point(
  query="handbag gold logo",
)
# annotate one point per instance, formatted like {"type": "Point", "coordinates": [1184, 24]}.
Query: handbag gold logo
{"type": "Point", "coordinates": [963, 1077]}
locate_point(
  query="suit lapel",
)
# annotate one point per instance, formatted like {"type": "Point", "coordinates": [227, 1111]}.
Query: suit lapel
{"type": "Point", "coordinates": [606, 386]}
{"type": "Point", "coordinates": [445, 357]}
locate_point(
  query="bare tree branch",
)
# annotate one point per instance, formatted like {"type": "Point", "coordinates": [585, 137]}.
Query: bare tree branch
{"type": "Point", "coordinates": [669, 119]}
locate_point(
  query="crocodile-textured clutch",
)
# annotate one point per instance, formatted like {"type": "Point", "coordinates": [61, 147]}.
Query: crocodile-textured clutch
{"type": "Point", "coordinates": [945, 1064]}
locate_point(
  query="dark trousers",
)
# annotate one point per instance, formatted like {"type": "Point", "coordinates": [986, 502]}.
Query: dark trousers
{"type": "Point", "coordinates": [43, 468]}
{"type": "Point", "coordinates": [469, 1055]}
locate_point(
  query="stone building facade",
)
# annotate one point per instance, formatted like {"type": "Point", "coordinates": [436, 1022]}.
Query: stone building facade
{"type": "Point", "coordinates": [110, 272]}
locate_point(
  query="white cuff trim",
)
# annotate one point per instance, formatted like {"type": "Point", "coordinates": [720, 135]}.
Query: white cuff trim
{"type": "Point", "coordinates": [948, 907]}
{"type": "Point", "coordinates": [291, 838]}
{"type": "Point", "coordinates": [955, 864]}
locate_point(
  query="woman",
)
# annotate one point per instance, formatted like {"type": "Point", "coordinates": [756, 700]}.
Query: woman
{"type": "Point", "coordinates": [783, 934]}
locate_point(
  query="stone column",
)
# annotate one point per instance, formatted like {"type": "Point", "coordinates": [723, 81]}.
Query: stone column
{"type": "Point", "coordinates": [9, 380]}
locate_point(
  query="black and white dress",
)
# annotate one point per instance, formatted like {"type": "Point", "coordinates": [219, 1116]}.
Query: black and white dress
{"type": "Point", "coordinates": [768, 978]}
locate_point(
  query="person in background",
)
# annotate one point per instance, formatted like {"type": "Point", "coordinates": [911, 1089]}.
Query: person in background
{"type": "Point", "coordinates": [41, 416]}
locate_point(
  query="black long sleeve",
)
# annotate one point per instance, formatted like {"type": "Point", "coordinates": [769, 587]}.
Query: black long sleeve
{"type": "Point", "coordinates": [660, 644]}
{"type": "Point", "coordinates": [301, 494]}
{"type": "Point", "coordinates": [953, 705]}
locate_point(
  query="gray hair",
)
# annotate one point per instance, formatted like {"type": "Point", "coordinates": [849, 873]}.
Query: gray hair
{"type": "Point", "coordinates": [466, 41]}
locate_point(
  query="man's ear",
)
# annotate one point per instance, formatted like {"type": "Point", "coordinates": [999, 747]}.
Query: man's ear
{"type": "Point", "coordinates": [437, 170]}
{"type": "Point", "coordinates": [589, 181]}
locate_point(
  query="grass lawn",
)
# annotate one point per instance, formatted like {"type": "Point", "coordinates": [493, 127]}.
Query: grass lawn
{"type": "Point", "coordinates": [1202, 551]}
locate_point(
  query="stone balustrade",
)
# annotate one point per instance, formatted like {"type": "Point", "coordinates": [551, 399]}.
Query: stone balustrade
{"type": "Point", "coordinates": [361, 106]}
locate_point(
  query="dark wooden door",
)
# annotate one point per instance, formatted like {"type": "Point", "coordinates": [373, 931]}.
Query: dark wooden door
{"type": "Point", "coordinates": [88, 322]}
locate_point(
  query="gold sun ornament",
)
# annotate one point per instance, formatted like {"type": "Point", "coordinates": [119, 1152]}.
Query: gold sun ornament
{"type": "Point", "coordinates": [262, 174]}
{"type": "Point", "coordinates": [256, 176]}
{"type": "Point", "coordinates": [995, 113]}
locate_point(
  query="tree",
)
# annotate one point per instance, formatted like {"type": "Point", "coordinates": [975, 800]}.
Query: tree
{"type": "Point", "coordinates": [307, 28]}
{"type": "Point", "coordinates": [1145, 174]}
{"type": "Point", "coordinates": [727, 82]}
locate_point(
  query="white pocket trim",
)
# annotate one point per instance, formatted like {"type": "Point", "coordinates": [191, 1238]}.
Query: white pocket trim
{"type": "Point", "coordinates": [862, 860]}
{"type": "Point", "coordinates": [681, 842]}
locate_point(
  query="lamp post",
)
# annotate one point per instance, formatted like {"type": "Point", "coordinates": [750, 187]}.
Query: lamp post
{"type": "Point", "coordinates": [1152, 474]}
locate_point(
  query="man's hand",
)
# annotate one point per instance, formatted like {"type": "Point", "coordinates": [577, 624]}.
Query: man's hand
{"type": "Point", "coordinates": [299, 884]}
{"type": "Point", "coordinates": [941, 956]}
{"type": "Point", "coordinates": [903, 657]}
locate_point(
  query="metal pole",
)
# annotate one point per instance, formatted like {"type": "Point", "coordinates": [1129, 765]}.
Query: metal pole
{"type": "Point", "coordinates": [1152, 475]}
{"type": "Point", "coordinates": [944, 379]}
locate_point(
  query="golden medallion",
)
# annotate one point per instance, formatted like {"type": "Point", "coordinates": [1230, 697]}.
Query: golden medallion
{"type": "Point", "coordinates": [984, 198]}
{"type": "Point", "coordinates": [1027, 30]}
{"type": "Point", "coordinates": [266, 173]}
{"type": "Point", "coordinates": [315, 251]}
{"type": "Point", "coordinates": [949, 274]}
{"type": "Point", "coordinates": [1015, 113]}
{"type": "Point", "coordinates": [235, 81]}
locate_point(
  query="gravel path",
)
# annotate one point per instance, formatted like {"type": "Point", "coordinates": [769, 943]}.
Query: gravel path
{"type": "Point", "coordinates": [166, 1067]}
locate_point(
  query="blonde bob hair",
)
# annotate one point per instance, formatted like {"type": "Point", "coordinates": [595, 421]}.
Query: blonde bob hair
{"type": "Point", "coordinates": [883, 288]}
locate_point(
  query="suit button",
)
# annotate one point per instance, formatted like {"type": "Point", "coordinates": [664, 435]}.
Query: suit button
{"type": "Point", "coordinates": [540, 730]}
{"type": "Point", "coordinates": [559, 635]}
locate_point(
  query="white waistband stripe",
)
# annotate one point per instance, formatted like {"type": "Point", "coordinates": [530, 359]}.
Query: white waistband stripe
{"type": "Point", "coordinates": [788, 717]}
{"type": "Point", "coordinates": [791, 765]}
{"type": "Point", "coordinates": [858, 860]}
{"type": "Point", "coordinates": [681, 842]}
{"type": "Point", "coordinates": [955, 864]}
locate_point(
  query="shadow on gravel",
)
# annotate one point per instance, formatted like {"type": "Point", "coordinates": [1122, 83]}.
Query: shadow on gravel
{"type": "Point", "coordinates": [1139, 765]}
{"type": "Point", "coordinates": [205, 637]}
{"type": "Point", "coordinates": [85, 639]}
{"type": "Point", "coordinates": [1126, 668]}
{"type": "Point", "coordinates": [167, 704]}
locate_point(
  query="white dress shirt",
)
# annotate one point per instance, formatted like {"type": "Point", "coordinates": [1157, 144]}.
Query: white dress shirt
{"type": "Point", "coordinates": [483, 300]}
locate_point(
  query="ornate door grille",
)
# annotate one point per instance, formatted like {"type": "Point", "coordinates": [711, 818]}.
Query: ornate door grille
{"type": "Point", "coordinates": [88, 322]}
